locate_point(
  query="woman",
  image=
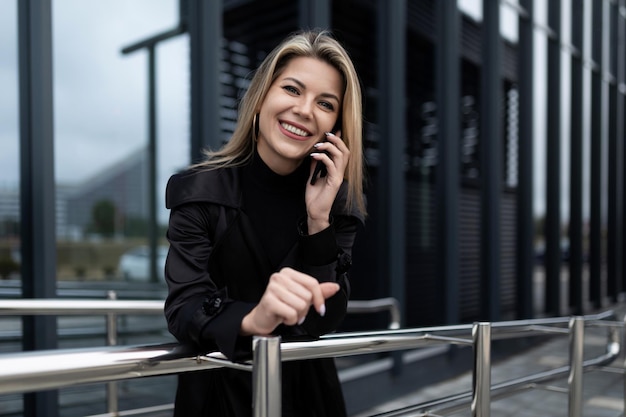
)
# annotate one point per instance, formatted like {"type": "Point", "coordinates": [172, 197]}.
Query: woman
{"type": "Point", "coordinates": [260, 240]}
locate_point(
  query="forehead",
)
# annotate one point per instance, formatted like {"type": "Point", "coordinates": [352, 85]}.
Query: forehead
{"type": "Point", "coordinates": [315, 74]}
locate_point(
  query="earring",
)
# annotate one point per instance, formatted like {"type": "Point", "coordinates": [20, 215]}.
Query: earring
{"type": "Point", "coordinates": [255, 127]}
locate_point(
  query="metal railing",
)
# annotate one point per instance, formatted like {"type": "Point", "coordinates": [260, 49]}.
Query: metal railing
{"type": "Point", "coordinates": [32, 371]}
{"type": "Point", "coordinates": [112, 308]}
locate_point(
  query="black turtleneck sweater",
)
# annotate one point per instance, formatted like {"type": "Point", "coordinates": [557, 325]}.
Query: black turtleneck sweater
{"type": "Point", "coordinates": [274, 203]}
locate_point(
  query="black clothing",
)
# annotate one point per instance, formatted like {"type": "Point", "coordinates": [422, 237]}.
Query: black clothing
{"type": "Point", "coordinates": [224, 230]}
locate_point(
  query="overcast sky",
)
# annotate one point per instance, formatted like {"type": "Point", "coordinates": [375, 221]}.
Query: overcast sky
{"type": "Point", "coordinates": [100, 95]}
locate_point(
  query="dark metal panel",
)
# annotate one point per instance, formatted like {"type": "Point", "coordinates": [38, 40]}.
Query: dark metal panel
{"type": "Point", "coordinates": [576, 164]}
{"type": "Point", "coordinates": [392, 125]}
{"type": "Point", "coordinates": [616, 170]}
{"type": "Point", "coordinates": [525, 223]}
{"type": "Point", "coordinates": [354, 23]}
{"type": "Point", "coordinates": [491, 155]}
{"type": "Point", "coordinates": [595, 226]}
{"type": "Point", "coordinates": [621, 133]}
{"type": "Point", "coordinates": [470, 255]}
{"type": "Point", "coordinates": [553, 171]}
{"type": "Point", "coordinates": [37, 187]}
{"type": "Point", "coordinates": [260, 25]}
{"type": "Point", "coordinates": [447, 82]}
{"type": "Point", "coordinates": [205, 44]}
{"type": "Point", "coordinates": [508, 232]}
{"type": "Point", "coordinates": [421, 20]}
{"type": "Point", "coordinates": [314, 14]}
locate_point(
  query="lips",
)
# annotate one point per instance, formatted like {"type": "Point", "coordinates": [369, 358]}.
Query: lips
{"type": "Point", "coordinates": [300, 133]}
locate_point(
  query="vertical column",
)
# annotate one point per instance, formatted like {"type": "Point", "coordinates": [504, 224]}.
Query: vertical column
{"type": "Point", "coordinates": [575, 230]}
{"type": "Point", "coordinates": [491, 161]}
{"type": "Point", "coordinates": [314, 14]}
{"type": "Point", "coordinates": [447, 76]}
{"type": "Point", "coordinates": [553, 171]}
{"type": "Point", "coordinates": [615, 240]}
{"type": "Point", "coordinates": [205, 44]}
{"type": "Point", "coordinates": [37, 187]}
{"type": "Point", "coordinates": [525, 218]}
{"type": "Point", "coordinates": [152, 164]}
{"type": "Point", "coordinates": [621, 128]}
{"type": "Point", "coordinates": [596, 189]}
{"type": "Point", "coordinates": [392, 125]}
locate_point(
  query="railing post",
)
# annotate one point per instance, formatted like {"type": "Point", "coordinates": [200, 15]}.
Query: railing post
{"type": "Point", "coordinates": [112, 400]}
{"type": "Point", "coordinates": [481, 389]}
{"type": "Point", "coordinates": [266, 377]}
{"type": "Point", "coordinates": [575, 379]}
{"type": "Point", "coordinates": [624, 350]}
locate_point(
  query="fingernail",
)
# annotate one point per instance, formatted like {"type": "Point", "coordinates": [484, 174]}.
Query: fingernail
{"type": "Point", "coordinates": [301, 320]}
{"type": "Point", "coordinates": [327, 133]}
{"type": "Point", "coordinates": [315, 154]}
{"type": "Point", "coordinates": [317, 145]}
{"type": "Point", "coordinates": [323, 310]}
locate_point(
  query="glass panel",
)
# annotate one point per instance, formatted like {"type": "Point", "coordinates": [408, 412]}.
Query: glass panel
{"type": "Point", "coordinates": [101, 168]}
{"type": "Point", "coordinates": [10, 258]}
{"type": "Point", "coordinates": [101, 133]}
{"type": "Point", "coordinates": [9, 148]}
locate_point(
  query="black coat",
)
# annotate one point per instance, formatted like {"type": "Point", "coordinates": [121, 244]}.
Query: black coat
{"type": "Point", "coordinates": [217, 271]}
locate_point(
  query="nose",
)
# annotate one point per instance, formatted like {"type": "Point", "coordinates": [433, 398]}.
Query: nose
{"type": "Point", "coordinates": [304, 107]}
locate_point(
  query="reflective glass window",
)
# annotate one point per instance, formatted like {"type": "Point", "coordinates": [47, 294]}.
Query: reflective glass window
{"type": "Point", "coordinates": [101, 134]}
{"type": "Point", "coordinates": [9, 145]}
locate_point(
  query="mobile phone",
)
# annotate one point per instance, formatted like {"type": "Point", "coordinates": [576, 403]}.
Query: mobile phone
{"type": "Point", "coordinates": [320, 170]}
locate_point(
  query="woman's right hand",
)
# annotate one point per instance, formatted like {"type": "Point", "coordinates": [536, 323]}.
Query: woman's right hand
{"type": "Point", "coordinates": [287, 299]}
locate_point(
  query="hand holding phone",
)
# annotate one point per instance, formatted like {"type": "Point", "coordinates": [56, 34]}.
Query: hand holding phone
{"type": "Point", "coordinates": [320, 170]}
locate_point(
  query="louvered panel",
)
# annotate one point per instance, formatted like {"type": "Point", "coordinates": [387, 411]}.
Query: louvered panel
{"type": "Point", "coordinates": [423, 288]}
{"type": "Point", "coordinates": [469, 248]}
{"type": "Point", "coordinates": [508, 284]}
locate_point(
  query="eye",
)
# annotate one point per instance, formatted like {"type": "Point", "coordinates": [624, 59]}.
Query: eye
{"type": "Point", "coordinates": [291, 89]}
{"type": "Point", "coordinates": [327, 105]}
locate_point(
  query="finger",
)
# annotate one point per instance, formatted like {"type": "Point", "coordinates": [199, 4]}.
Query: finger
{"type": "Point", "coordinates": [296, 297]}
{"type": "Point", "coordinates": [328, 289]}
{"type": "Point", "coordinates": [314, 288]}
{"type": "Point", "coordinates": [337, 140]}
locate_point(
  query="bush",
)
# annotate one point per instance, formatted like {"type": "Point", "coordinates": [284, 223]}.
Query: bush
{"type": "Point", "coordinates": [7, 267]}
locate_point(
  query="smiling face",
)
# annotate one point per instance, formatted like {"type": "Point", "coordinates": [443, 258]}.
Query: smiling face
{"type": "Point", "coordinates": [301, 105]}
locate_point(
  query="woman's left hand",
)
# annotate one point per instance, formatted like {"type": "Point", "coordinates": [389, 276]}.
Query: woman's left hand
{"type": "Point", "coordinates": [320, 197]}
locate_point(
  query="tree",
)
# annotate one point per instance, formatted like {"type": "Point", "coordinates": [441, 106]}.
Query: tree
{"type": "Point", "coordinates": [103, 218]}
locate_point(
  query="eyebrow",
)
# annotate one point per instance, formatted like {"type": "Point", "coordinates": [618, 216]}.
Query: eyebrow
{"type": "Point", "coordinates": [301, 85]}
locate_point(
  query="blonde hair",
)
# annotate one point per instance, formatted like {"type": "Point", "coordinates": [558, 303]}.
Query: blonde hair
{"type": "Point", "coordinates": [314, 44]}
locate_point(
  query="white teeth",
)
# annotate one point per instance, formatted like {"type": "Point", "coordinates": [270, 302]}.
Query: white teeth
{"type": "Point", "coordinates": [294, 130]}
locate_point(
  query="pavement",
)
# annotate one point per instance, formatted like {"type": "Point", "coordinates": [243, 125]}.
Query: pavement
{"type": "Point", "coordinates": [603, 388]}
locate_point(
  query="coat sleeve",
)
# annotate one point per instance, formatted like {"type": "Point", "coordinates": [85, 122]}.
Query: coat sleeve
{"type": "Point", "coordinates": [327, 257]}
{"type": "Point", "coordinates": [197, 310]}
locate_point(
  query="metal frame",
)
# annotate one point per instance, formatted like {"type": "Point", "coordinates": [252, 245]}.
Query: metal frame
{"type": "Point", "coordinates": [448, 97]}
{"type": "Point", "coordinates": [491, 161]}
{"type": "Point", "coordinates": [37, 186]}
{"type": "Point", "coordinates": [553, 163]}
{"type": "Point", "coordinates": [576, 163]}
{"type": "Point", "coordinates": [31, 371]}
{"type": "Point", "coordinates": [525, 222]}
{"type": "Point", "coordinates": [392, 128]}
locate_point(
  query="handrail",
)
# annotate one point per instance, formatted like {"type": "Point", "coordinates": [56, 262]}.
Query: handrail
{"type": "Point", "coordinates": [102, 307]}
{"type": "Point", "coordinates": [460, 401]}
{"type": "Point", "coordinates": [32, 371]}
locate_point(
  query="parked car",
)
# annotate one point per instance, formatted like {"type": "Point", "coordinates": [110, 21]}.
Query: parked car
{"type": "Point", "coordinates": [134, 264]}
